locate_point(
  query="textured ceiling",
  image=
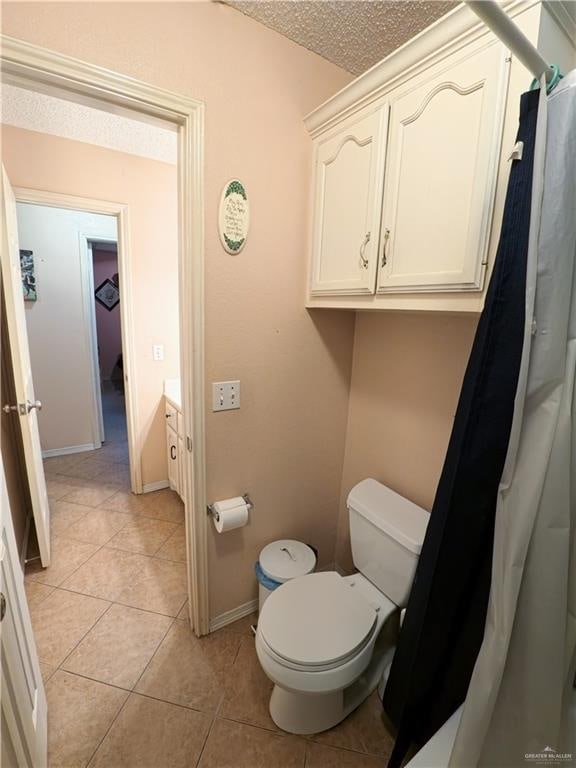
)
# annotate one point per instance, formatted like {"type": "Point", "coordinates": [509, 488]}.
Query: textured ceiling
{"type": "Point", "coordinates": [354, 34]}
{"type": "Point", "coordinates": [58, 117]}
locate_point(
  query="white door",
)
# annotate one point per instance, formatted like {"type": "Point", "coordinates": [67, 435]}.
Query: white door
{"type": "Point", "coordinates": [349, 174]}
{"type": "Point", "coordinates": [444, 145]}
{"type": "Point", "coordinates": [23, 701]}
{"type": "Point", "coordinates": [26, 406]}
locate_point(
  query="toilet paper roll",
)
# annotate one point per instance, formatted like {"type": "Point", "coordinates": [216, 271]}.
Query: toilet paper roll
{"type": "Point", "coordinates": [226, 504]}
{"type": "Point", "coordinates": [227, 518]}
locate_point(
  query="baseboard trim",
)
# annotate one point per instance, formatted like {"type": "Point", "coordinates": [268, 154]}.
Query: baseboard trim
{"type": "Point", "coordinates": [68, 449]}
{"type": "Point", "coordinates": [157, 486]}
{"type": "Point", "coordinates": [229, 617]}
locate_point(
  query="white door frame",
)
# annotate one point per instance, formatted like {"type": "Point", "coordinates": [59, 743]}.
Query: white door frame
{"type": "Point", "coordinates": [40, 69]}
{"type": "Point", "coordinates": [120, 212]}
{"type": "Point", "coordinates": [87, 270]}
{"type": "Point", "coordinates": [87, 266]}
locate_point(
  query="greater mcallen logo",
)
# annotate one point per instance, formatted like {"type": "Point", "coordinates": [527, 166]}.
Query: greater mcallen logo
{"type": "Point", "coordinates": [548, 756]}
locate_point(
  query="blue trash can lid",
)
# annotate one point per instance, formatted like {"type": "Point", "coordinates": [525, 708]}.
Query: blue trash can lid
{"type": "Point", "coordinates": [287, 559]}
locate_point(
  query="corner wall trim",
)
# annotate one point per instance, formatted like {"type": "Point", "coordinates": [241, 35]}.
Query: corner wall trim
{"type": "Point", "coordinates": [68, 449]}
{"type": "Point", "coordinates": [156, 486]}
{"type": "Point", "coordinates": [228, 617]}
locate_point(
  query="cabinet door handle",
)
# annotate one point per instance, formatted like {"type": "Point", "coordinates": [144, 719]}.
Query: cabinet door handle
{"type": "Point", "coordinates": [363, 259]}
{"type": "Point", "coordinates": [173, 452]}
{"type": "Point", "coordinates": [384, 257]}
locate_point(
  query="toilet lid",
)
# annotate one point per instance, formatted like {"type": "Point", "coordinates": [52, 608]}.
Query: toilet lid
{"type": "Point", "coordinates": [316, 619]}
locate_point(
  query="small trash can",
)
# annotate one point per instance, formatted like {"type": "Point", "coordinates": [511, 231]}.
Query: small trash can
{"type": "Point", "coordinates": [281, 561]}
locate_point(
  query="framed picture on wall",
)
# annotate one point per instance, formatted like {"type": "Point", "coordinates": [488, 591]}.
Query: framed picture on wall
{"type": "Point", "coordinates": [107, 294]}
{"type": "Point", "coordinates": [28, 276]}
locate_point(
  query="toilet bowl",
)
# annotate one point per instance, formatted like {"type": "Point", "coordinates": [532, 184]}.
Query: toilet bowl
{"type": "Point", "coordinates": [325, 640]}
{"type": "Point", "coordinates": [314, 641]}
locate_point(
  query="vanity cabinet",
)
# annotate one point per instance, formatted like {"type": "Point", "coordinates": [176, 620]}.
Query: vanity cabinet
{"type": "Point", "coordinates": [173, 459]}
{"type": "Point", "coordinates": [174, 440]}
{"type": "Point", "coordinates": [404, 187]}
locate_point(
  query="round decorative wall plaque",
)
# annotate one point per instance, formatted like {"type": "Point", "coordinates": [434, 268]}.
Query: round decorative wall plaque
{"type": "Point", "coordinates": [234, 216]}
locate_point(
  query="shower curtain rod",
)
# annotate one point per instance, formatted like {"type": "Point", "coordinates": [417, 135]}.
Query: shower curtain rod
{"type": "Point", "coordinates": [490, 12]}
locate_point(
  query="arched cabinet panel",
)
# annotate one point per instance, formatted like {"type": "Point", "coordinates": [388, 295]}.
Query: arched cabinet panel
{"type": "Point", "coordinates": [349, 174]}
{"type": "Point", "coordinates": [444, 145]}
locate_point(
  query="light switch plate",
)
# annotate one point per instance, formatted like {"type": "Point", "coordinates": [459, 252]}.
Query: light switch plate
{"type": "Point", "coordinates": [225, 395]}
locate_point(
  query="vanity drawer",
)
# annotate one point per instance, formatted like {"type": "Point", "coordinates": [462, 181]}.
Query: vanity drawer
{"type": "Point", "coordinates": [171, 415]}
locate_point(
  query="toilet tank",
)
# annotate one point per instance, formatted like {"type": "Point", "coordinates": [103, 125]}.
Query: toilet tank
{"type": "Point", "coordinates": [386, 533]}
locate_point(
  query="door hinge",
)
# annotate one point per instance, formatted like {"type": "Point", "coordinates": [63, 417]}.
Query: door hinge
{"type": "Point", "coordinates": [189, 443]}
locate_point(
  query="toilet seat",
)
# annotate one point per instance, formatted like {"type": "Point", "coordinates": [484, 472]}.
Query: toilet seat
{"type": "Point", "coordinates": [316, 622]}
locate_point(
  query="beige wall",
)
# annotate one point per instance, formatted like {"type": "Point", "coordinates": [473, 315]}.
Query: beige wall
{"type": "Point", "coordinates": [149, 189]}
{"type": "Point", "coordinates": [285, 445]}
{"type": "Point", "coordinates": [406, 378]}
{"type": "Point", "coordinates": [58, 324]}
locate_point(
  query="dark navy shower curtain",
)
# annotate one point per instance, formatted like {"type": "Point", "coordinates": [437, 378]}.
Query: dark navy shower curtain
{"type": "Point", "coordinates": [444, 624]}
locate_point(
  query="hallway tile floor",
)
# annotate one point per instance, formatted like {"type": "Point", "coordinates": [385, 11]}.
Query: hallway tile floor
{"type": "Point", "coordinates": [128, 684]}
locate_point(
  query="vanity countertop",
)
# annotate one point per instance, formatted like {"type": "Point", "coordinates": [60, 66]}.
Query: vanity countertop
{"type": "Point", "coordinates": [172, 392]}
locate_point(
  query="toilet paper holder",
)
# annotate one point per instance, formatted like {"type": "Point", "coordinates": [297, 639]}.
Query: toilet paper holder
{"type": "Point", "coordinates": [211, 512]}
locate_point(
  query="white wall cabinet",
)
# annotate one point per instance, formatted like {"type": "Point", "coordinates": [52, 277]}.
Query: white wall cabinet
{"type": "Point", "coordinates": [415, 153]}
{"type": "Point", "coordinates": [348, 197]}
{"type": "Point", "coordinates": [404, 193]}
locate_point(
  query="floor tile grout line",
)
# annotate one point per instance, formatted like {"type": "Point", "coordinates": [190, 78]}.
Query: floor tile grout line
{"type": "Point", "coordinates": [118, 602]}
{"type": "Point", "coordinates": [237, 651]}
{"type": "Point", "coordinates": [66, 535]}
{"type": "Point", "coordinates": [136, 552]}
{"type": "Point", "coordinates": [307, 741]}
{"type": "Point", "coordinates": [138, 514]}
{"type": "Point", "coordinates": [58, 586]}
{"type": "Point", "coordinates": [312, 740]}
{"type": "Point", "coordinates": [60, 666]}
{"type": "Point", "coordinates": [153, 655]}
{"type": "Point", "coordinates": [81, 504]}
{"type": "Point", "coordinates": [251, 724]}
{"type": "Point", "coordinates": [87, 764]}
{"type": "Point", "coordinates": [166, 701]}
{"type": "Point", "coordinates": [133, 691]}
{"type": "Point", "coordinates": [214, 718]}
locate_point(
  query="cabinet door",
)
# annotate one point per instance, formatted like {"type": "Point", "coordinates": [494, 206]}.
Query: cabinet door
{"type": "Point", "coordinates": [443, 152]}
{"type": "Point", "coordinates": [349, 171]}
{"type": "Point", "coordinates": [173, 462]}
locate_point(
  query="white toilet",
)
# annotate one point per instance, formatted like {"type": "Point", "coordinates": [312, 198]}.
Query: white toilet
{"type": "Point", "coordinates": [325, 640]}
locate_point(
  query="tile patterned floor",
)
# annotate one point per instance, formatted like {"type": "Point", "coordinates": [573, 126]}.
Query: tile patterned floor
{"type": "Point", "coordinates": [128, 684]}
